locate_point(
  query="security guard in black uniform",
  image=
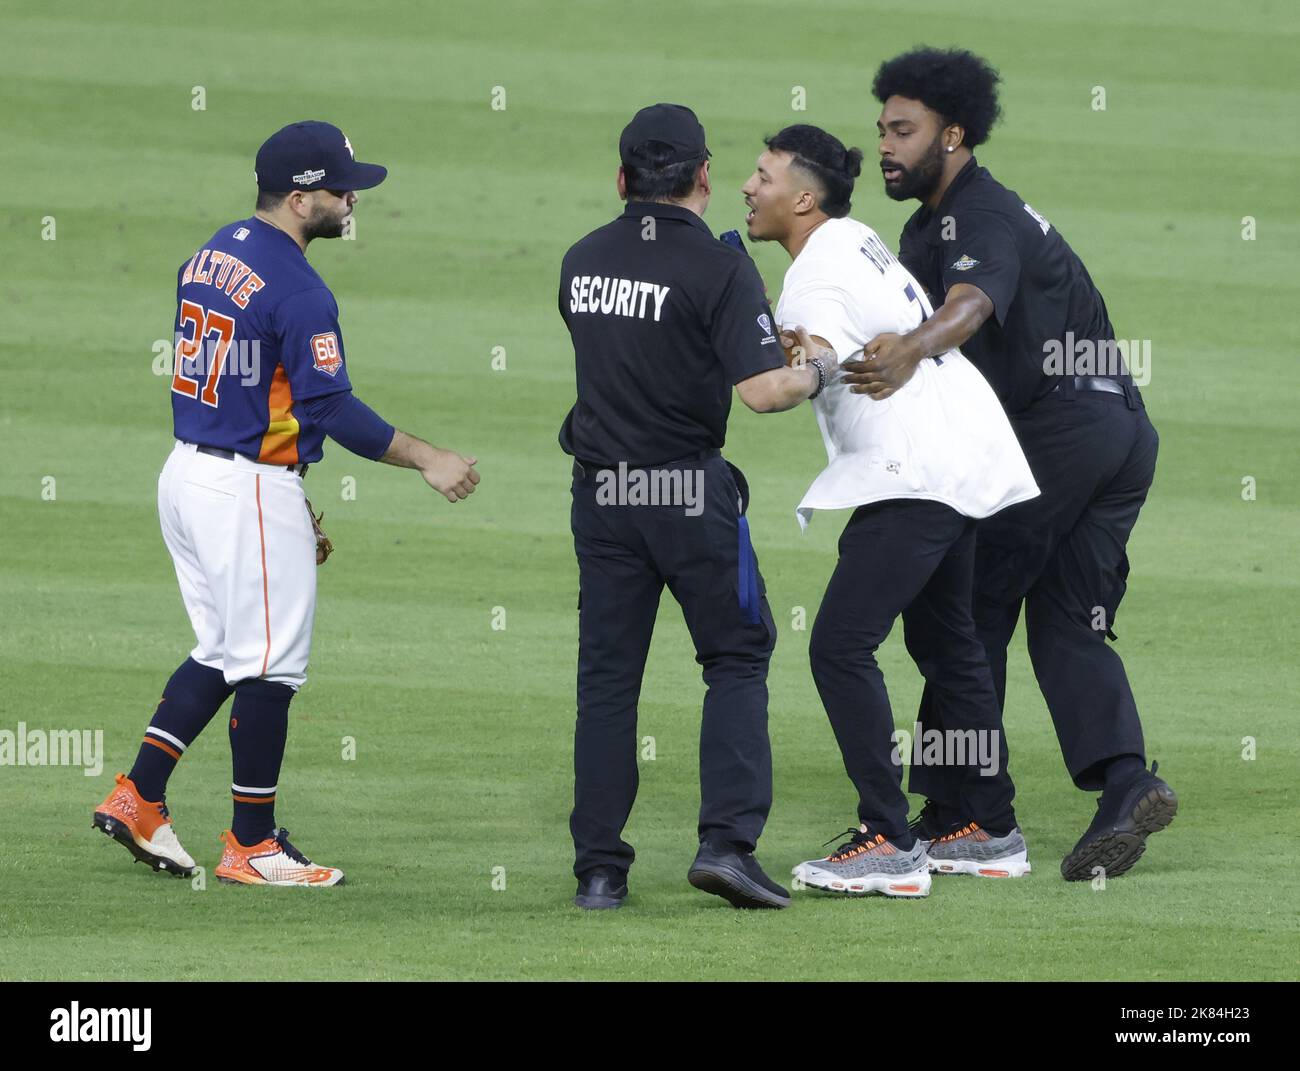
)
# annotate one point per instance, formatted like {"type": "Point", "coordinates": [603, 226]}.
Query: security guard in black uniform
{"type": "Point", "coordinates": [665, 319]}
{"type": "Point", "coordinates": [1018, 301]}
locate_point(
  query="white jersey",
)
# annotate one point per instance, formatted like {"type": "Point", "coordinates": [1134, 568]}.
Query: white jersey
{"type": "Point", "coordinates": [943, 436]}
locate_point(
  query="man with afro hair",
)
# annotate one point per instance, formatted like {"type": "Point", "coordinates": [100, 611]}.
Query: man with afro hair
{"type": "Point", "coordinates": [1015, 297]}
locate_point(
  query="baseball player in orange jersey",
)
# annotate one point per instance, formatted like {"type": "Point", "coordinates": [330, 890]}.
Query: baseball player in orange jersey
{"type": "Point", "coordinates": [260, 380]}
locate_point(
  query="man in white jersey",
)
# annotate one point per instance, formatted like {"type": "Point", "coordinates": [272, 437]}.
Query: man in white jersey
{"type": "Point", "coordinates": [917, 469]}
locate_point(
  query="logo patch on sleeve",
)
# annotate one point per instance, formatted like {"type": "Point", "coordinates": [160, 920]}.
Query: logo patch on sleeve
{"type": "Point", "coordinates": [964, 263]}
{"type": "Point", "coordinates": [325, 353]}
{"type": "Point", "coordinates": [1043, 225]}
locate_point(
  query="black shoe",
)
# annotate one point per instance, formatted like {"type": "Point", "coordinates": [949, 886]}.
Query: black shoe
{"type": "Point", "coordinates": [735, 875]}
{"type": "Point", "coordinates": [601, 889]}
{"type": "Point", "coordinates": [1126, 816]}
{"type": "Point", "coordinates": [934, 821]}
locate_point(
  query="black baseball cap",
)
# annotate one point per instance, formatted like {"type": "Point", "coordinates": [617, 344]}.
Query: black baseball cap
{"type": "Point", "coordinates": [673, 125]}
{"type": "Point", "coordinates": [312, 156]}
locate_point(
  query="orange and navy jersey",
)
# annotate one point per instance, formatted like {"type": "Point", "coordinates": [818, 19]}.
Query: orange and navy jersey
{"type": "Point", "coordinates": [257, 334]}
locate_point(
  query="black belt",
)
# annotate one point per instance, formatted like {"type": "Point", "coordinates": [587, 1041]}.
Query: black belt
{"type": "Point", "coordinates": [230, 455]}
{"type": "Point", "coordinates": [1106, 386]}
{"type": "Point", "coordinates": [590, 467]}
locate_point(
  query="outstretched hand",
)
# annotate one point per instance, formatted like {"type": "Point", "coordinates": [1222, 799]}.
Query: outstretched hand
{"type": "Point", "coordinates": [451, 474]}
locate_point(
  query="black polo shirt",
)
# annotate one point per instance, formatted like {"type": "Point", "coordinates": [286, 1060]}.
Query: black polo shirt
{"type": "Point", "coordinates": [664, 319]}
{"type": "Point", "coordinates": [1045, 304]}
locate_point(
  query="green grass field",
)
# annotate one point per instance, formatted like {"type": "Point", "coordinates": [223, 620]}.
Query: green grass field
{"type": "Point", "coordinates": [463, 733]}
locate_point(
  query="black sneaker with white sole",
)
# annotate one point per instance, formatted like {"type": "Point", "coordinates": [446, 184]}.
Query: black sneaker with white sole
{"type": "Point", "coordinates": [1126, 816]}
{"type": "Point", "coordinates": [724, 870]}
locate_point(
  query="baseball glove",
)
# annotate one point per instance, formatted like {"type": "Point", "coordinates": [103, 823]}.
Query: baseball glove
{"type": "Point", "coordinates": [324, 548]}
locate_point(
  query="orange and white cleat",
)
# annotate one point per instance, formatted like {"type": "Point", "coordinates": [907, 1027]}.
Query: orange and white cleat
{"type": "Point", "coordinates": [274, 861]}
{"type": "Point", "coordinates": [144, 829]}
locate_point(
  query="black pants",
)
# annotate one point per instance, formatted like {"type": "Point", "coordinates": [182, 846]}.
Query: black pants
{"type": "Point", "coordinates": [626, 555]}
{"type": "Point", "coordinates": [916, 559]}
{"type": "Point", "coordinates": [1062, 556]}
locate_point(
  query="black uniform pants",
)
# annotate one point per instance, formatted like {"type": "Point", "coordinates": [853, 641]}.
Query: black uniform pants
{"type": "Point", "coordinates": [627, 553]}
{"type": "Point", "coordinates": [917, 559]}
{"type": "Point", "coordinates": [1062, 556]}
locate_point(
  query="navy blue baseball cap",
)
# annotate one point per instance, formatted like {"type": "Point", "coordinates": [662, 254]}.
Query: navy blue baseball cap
{"type": "Point", "coordinates": [312, 156]}
{"type": "Point", "coordinates": [673, 125]}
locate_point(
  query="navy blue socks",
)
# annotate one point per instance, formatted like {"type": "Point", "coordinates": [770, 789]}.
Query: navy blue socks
{"type": "Point", "coordinates": [192, 696]}
{"type": "Point", "coordinates": [259, 725]}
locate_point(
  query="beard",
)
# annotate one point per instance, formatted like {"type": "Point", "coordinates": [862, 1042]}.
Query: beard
{"type": "Point", "coordinates": [918, 181]}
{"type": "Point", "coordinates": [323, 224]}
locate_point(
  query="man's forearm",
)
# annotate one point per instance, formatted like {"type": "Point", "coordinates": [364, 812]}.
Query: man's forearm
{"type": "Point", "coordinates": [351, 423]}
{"type": "Point", "coordinates": [956, 320]}
{"type": "Point", "coordinates": [794, 387]}
{"type": "Point", "coordinates": [408, 452]}
{"type": "Point", "coordinates": [810, 364]}
{"type": "Point", "coordinates": [444, 470]}
{"type": "Point", "coordinates": [889, 360]}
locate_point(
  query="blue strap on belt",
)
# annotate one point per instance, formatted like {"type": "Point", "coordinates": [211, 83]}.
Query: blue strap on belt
{"type": "Point", "coordinates": [747, 575]}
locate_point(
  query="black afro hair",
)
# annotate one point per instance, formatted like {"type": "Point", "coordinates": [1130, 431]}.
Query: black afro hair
{"type": "Point", "coordinates": [956, 84]}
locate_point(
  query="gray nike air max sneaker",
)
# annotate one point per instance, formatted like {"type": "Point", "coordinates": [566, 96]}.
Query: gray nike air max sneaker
{"type": "Point", "coordinates": [868, 863]}
{"type": "Point", "coordinates": [971, 850]}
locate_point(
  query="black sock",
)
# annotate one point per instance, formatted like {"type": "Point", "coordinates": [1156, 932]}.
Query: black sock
{"type": "Point", "coordinates": [192, 696]}
{"type": "Point", "coordinates": [259, 724]}
{"type": "Point", "coordinates": [899, 836]}
{"type": "Point", "coordinates": [1121, 770]}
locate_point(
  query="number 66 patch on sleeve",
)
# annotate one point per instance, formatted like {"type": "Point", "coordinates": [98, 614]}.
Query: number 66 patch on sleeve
{"type": "Point", "coordinates": [325, 353]}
